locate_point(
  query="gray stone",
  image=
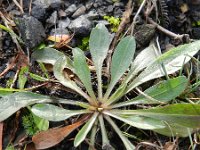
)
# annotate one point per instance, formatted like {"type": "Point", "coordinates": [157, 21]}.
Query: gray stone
{"type": "Point", "coordinates": [80, 11]}
{"type": "Point", "coordinates": [118, 12]}
{"type": "Point", "coordinates": [53, 18]}
{"type": "Point", "coordinates": [71, 9]}
{"type": "Point", "coordinates": [92, 14]}
{"type": "Point", "coordinates": [110, 8]}
{"type": "Point", "coordinates": [118, 4]}
{"type": "Point", "coordinates": [81, 25]}
{"type": "Point", "coordinates": [64, 23]}
{"type": "Point", "coordinates": [89, 4]}
{"type": "Point", "coordinates": [59, 31]}
{"type": "Point", "coordinates": [39, 12]}
{"type": "Point", "coordinates": [31, 30]}
{"type": "Point", "coordinates": [47, 3]}
{"type": "Point", "coordinates": [102, 11]}
{"type": "Point", "coordinates": [61, 13]}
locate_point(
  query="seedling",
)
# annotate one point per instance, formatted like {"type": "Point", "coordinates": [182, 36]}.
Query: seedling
{"type": "Point", "coordinates": [164, 118]}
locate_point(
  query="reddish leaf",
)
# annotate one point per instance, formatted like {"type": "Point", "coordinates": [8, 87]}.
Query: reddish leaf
{"type": "Point", "coordinates": [51, 137]}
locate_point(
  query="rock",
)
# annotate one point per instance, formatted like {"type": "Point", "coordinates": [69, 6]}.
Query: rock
{"type": "Point", "coordinates": [39, 13]}
{"type": "Point", "coordinates": [110, 8]}
{"type": "Point", "coordinates": [102, 11]}
{"type": "Point", "coordinates": [71, 9]}
{"type": "Point", "coordinates": [31, 30]}
{"type": "Point", "coordinates": [59, 31]}
{"type": "Point", "coordinates": [48, 3]}
{"type": "Point", "coordinates": [144, 33]}
{"type": "Point", "coordinates": [92, 14]}
{"type": "Point", "coordinates": [196, 32]}
{"type": "Point", "coordinates": [80, 11]}
{"type": "Point", "coordinates": [52, 19]}
{"type": "Point", "coordinates": [89, 4]}
{"type": "Point", "coordinates": [64, 23]}
{"type": "Point", "coordinates": [118, 12]}
{"type": "Point", "coordinates": [62, 13]}
{"type": "Point", "coordinates": [81, 25]}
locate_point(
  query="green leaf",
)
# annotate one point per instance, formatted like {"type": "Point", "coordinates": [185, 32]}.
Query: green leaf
{"type": "Point", "coordinates": [99, 43]}
{"type": "Point", "coordinates": [58, 68]}
{"type": "Point", "coordinates": [160, 93]}
{"type": "Point", "coordinates": [142, 60]}
{"type": "Point", "coordinates": [187, 115]}
{"type": "Point", "coordinates": [173, 129]}
{"type": "Point", "coordinates": [127, 143]}
{"type": "Point", "coordinates": [47, 55]}
{"type": "Point", "coordinates": [42, 124]}
{"type": "Point", "coordinates": [11, 103]}
{"type": "Point", "coordinates": [82, 70]}
{"type": "Point", "coordinates": [85, 130]}
{"type": "Point", "coordinates": [37, 77]}
{"type": "Point", "coordinates": [121, 60]}
{"type": "Point", "coordinates": [55, 113]}
{"type": "Point", "coordinates": [22, 78]}
{"type": "Point", "coordinates": [138, 121]}
{"type": "Point", "coordinates": [172, 61]}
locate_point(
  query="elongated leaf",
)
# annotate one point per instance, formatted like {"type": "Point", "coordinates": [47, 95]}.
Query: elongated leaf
{"type": "Point", "coordinates": [139, 121]}
{"type": "Point", "coordinates": [142, 60]}
{"type": "Point", "coordinates": [173, 129]}
{"type": "Point", "coordinates": [99, 42]}
{"type": "Point", "coordinates": [187, 115]}
{"type": "Point", "coordinates": [55, 113]}
{"type": "Point", "coordinates": [85, 130]}
{"type": "Point", "coordinates": [172, 61]}
{"type": "Point", "coordinates": [127, 143]}
{"type": "Point", "coordinates": [11, 103]}
{"type": "Point", "coordinates": [47, 55]}
{"type": "Point", "coordinates": [105, 141]}
{"type": "Point", "coordinates": [161, 92]}
{"type": "Point", "coordinates": [58, 68]}
{"type": "Point", "coordinates": [82, 70]}
{"type": "Point", "coordinates": [51, 137]}
{"type": "Point", "coordinates": [50, 56]}
{"type": "Point", "coordinates": [121, 60]}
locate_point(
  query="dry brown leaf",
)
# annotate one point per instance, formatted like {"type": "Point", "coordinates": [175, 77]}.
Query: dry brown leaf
{"type": "Point", "coordinates": [51, 137]}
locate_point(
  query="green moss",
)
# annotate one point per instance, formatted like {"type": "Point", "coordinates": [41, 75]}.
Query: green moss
{"type": "Point", "coordinates": [114, 22]}
{"type": "Point", "coordinates": [84, 44]}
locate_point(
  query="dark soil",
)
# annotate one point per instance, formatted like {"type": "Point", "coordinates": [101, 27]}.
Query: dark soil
{"type": "Point", "coordinates": [41, 18]}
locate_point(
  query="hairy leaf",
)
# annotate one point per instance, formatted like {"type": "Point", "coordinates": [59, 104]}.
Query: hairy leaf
{"type": "Point", "coordinates": [58, 70]}
{"type": "Point", "coordinates": [159, 93]}
{"type": "Point", "coordinates": [11, 103]}
{"type": "Point", "coordinates": [99, 43]}
{"type": "Point", "coordinates": [55, 113]}
{"type": "Point", "coordinates": [170, 62]}
{"type": "Point", "coordinates": [187, 115]}
{"type": "Point", "coordinates": [139, 121]}
{"type": "Point", "coordinates": [85, 130]}
{"type": "Point", "coordinates": [121, 60]}
{"type": "Point", "coordinates": [82, 70]}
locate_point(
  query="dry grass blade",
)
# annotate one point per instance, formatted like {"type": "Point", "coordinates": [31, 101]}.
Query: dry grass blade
{"type": "Point", "coordinates": [51, 137]}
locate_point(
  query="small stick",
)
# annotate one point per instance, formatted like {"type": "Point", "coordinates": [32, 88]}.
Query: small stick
{"type": "Point", "coordinates": [30, 7]}
{"type": "Point", "coordinates": [19, 6]}
{"type": "Point", "coordinates": [169, 33]}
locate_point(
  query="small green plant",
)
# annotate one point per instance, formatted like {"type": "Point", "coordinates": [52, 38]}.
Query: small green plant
{"type": "Point", "coordinates": [34, 124]}
{"type": "Point", "coordinates": [100, 108]}
{"type": "Point", "coordinates": [114, 22]}
{"type": "Point", "coordinates": [84, 44]}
